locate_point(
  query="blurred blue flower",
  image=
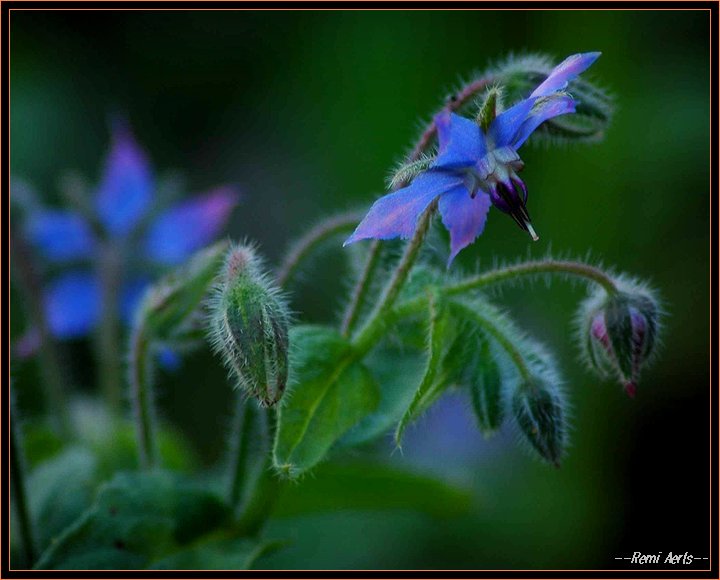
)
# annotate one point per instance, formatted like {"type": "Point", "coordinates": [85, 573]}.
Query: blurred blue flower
{"type": "Point", "coordinates": [124, 214]}
{"type": "Point", "coordinates": [475, 169]}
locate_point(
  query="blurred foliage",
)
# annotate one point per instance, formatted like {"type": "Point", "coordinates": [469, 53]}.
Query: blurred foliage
{"type": "Point", "coordinates": [308, 111]}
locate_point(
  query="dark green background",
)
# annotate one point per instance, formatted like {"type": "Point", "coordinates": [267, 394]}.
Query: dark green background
{"type": "Point", "coordinates": [307, 111]}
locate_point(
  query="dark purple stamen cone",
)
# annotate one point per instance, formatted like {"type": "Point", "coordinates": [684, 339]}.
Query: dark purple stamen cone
{"type": "Point", "coordinates": [510, 197]}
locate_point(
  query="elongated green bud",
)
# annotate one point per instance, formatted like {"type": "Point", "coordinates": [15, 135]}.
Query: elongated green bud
{"type": "Point", "coordinates": [485, 379]}
{"type": "Point", "coordinates": [538, 408]}
{"type": "Point", "coordinates": [489, 108]}
{"type": "Point", "coordinates": [249, 321]}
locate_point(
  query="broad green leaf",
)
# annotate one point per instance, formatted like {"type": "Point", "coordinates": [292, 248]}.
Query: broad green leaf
{"type": "Point", "coordinates": [372, 486]}
{"type": "Point", "coordinates": [136, 519]}
{"type": "Point", "coordinates": [398, 371]}
{"type": "Point", "coordinates": [331, 393]}
{"type": "Point", "coordinates": [60, 490]}
{"type": "Point", "coordinates": [219, 554]}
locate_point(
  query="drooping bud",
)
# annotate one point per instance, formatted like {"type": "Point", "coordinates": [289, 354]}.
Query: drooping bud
{"type": "Point", "coordinates": [619, 333]}
{"type": "Point", "coordinates": [538, 409]}
{"type": "Point", "coordinates": [249, 322]}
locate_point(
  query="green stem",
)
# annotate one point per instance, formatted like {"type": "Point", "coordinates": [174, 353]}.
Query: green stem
{"type": "Point", "coordinates": [141, 379]}
{"type": "Point", "coordinates": [310, 241]}
{"type": "Point", "coordinates": [382, 311]}
{"type": "Point", "coordinates": [267, 489]}
{"type": "Point", "coordinates": [53, 383]}
{"type": "Point", "coordinates": [108, 337]}
{"type": "Point", "coordinates": [17, 479]}
{"type": "Point", "coordinates": [539, 267]}
{"type": "Point", "coordinates": [246, 429]}
{"type": "Point", "coordinates": [361, 289]}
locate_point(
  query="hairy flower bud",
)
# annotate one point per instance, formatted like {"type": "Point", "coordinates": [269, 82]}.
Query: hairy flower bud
{"type": "Point", "coordinates": [249, 321]}
{"type": "Point", "coordinates": [538, 409]}
{"type": "Point", "coordinates": [619, 333]}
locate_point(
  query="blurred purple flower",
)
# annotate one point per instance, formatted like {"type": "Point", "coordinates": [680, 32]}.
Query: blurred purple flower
{"type": "Point", "coordinates": [123, 213]}
{"type": "Point", "coordinates": [475, 169]}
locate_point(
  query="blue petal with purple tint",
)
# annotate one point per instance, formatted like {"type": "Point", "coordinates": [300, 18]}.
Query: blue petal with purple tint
{"type": "Point", "coordinates": [395, 215]}
{"type": "Point", "coordinates": [464, 217]}
{"type": "Point", "coordinates": [566, 71]}
{"type": "Point", "coordinates": [126, 187]}
{"type": "Point", "coordinates": [461, 141]}
{"type": "Point", "coordinates": [505, 126]}
{"type": "Point", "coordinates": [72, 304]}
{"type": "Point", "coordinates": [60, 235]}
{"type": "Point", "coordinates": [544, 109]}
{"type": "Point", "coordinates": [189, 226]}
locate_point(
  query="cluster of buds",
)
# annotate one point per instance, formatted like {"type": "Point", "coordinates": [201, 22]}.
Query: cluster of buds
{"type": "Point", "coordinates": [619, 333]}
{"type": "Point", "coordinates": [249, 321]}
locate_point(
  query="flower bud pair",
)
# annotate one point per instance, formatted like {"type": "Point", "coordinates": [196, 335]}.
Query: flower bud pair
{"type": "Point", "coordinates": [619, 334]}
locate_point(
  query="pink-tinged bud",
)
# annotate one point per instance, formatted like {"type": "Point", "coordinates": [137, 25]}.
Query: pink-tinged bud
{"type": "Point", "coordinates": [619, 334]}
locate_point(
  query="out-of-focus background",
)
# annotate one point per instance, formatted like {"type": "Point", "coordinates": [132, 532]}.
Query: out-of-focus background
{"type": "Point", "coordinates": [307, 111]}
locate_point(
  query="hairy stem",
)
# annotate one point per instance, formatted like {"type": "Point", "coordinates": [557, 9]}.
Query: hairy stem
{"type": "Point", "coordinates": [246, 428]}
{"type": "Point", "coordinates": [579, 269]}
{"type": "Point", "coordinates": [392, 290]}
{"type": "Point", "coordinates": [108, 337]}
{"type": "Point", "coordinates": [141, 379]}
{"type": "Point", "coordinates": [361, 289]}
{"type": "Point", "coordinates": [267, 489]}
{"type": "Point", "coordinates": [17, 481]}
{"type": "Point", "coordinates": [310, 241]}
{"type": "Point", "coordinates": [53, 374]}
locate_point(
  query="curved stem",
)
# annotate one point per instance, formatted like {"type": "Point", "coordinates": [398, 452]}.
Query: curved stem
{"type": "Point", "coordinates": [17, 479]}
{"type": "Point", "coordinates": [141, 378]}
{"type": "Point", "coordinates": [578, 269]}
{"type": "Point", "coordinates": [51, 367]}
{"type": "Point", "coordinates": [244, 435]}
{"type": "Point", "coordinates": [361, 289]}
{"type": "Point", "coordinates": [305, 245]}
{"type": "Point", "coordinates": [267, 489]}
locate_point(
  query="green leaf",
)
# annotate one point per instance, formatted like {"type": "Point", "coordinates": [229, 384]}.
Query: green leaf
{"type": "Point", "coordinates": [332, 393]}
{"type": "Point", "coordinates": [60, 490]}
{"type": "Point", "coordinates": [398, 372]}
{"type": "Point", "coordinates": [442, 334]}
{"type": "Point", "coordinates": [219, 554]}
{"type": "Point", "coordinates": [372, 486]}
{"type": "Point", "coordinates": [135, 519]}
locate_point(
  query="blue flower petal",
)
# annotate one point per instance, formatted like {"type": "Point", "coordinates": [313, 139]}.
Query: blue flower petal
{"type": "Point", "coordinates": [461, 142]}
{"type": "Point", "coordinates": [169, 359]}
{"type": "Point", "coordinates": [189, 226]}
{"type": "Point", "coordinates": [464, 217]}
{"type": "Point", "coordinates": [126, 186]}
{"type": "Point", "coordinates": [60, 235]}
{"type": "Point", "coordinates": [72, 304]}
{"type": "Point", "coordinates": [130, 295]}
{"type": "Point", "coordinates": [545, 109]}
{"type": "Point", "coordinates": [567, 70]}
{"type": "Point", "coordinates": [395, 215]}
{"type": "Point", "coordinates": [506, 125]}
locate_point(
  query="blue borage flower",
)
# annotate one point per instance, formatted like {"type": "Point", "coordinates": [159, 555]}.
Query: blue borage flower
{"type": "Point", "coordinates": [475, 169]}
{"type": "Point", "coordinates": [124, 212]}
